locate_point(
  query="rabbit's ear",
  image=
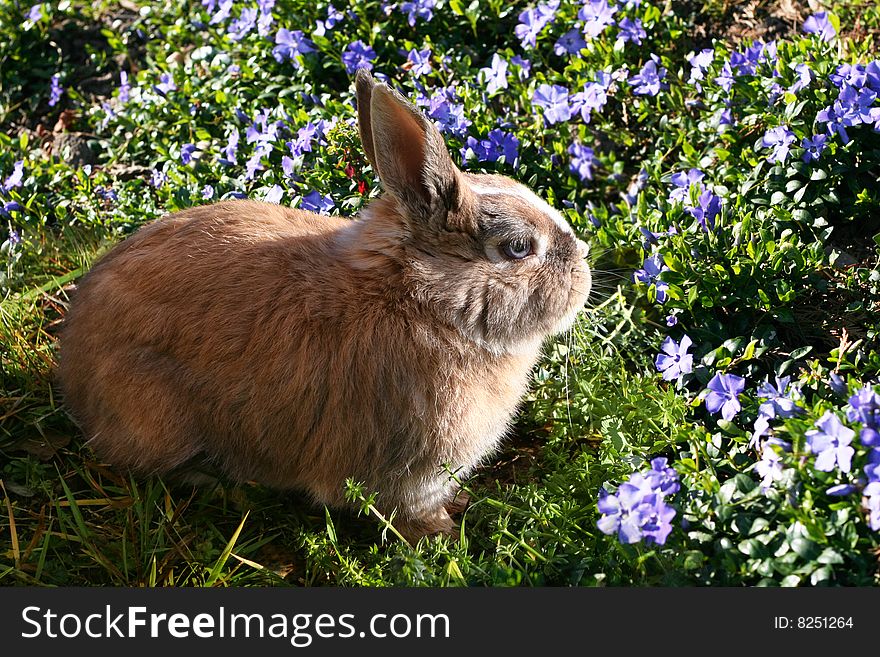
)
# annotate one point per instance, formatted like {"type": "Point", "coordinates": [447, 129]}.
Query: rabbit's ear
{"type": "Point", "coordinates": [364, 88]}
{"type": "Point", "coordinates": [410, 155]}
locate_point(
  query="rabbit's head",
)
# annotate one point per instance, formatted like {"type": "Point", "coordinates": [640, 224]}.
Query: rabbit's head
{"type": "Point", "coordinates": [483, 252]}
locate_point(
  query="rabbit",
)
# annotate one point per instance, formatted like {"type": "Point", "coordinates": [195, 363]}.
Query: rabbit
{"type": "Point", "coordinates": [297, 350]}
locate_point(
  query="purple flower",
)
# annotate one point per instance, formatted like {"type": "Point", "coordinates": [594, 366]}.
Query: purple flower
{"type": "Point", "coordinates": [872, 75]}
{"type": "Point", "coordinates": [274, 194]}
{"type": "Point", "coordinates": [872, 503]}
{"type": "Point", "coordinates": [661, 477]}
{"type": "Point", "coordinates": [525, 66]}
{"type": "Point", "coordinates": [631, 31]}
{"type": "Point", "coordinates": [290, 44]}
{"type": "Point", "coordinates": [416, 9]}
{"type": "Point", "coordinates": [872, 469]}
{"type": "Point", "coordinates": [533, 21]}
{"type": "Point", "coordinates": [619, 515]}
{"type": "Point", "coordinates": [869, 437]}
{"type": "Point", "coordinates": [592, 98]}
{"type": "Point", "coordinates": [682, 182]}
{"type": "Point", "coordinates": [497, 144]}
{"type": "Point", "coordinates": [708, 207]}
{"type": "Point", "coordinates": [495, 75]}
{"type": "Point", "coordinates": [288, 165]}
{"type": "Point", "coordinates": [648, 80]}
{"type": "Point", "coordinates": [864, 407]}
{"type": "Point", "coordinates": [304, 138]}
{"type": "Point", "coordinates": [725, 78]}
{"type": "Point", "coordinates": [841, 490]}
{"type": "Point", "coordinates": [222, 13]}
{"type": "Point", "coordinates": [334, 16]}
{"type": "Point", "coordinates": [314, 202]}
{"type": "Point", "coordinates": [819, 25]}
{"type": "Point", "coordinates": [358, 55]}
{"type": "Point", "coordinates": [778, 404]}
{"type": "Point", "coordinates": [853, 75]}
{"type": "Point", "coordinates": [554, 101]}
{"type": "Point", "coordinates": [746, 63]}
{"type": "Point", "coordinates": [597, 15]}
{"type": "Point", "coordinates": [186, 153]}
{"type": "Point", "coordinates": [124, 87]}
{"type": "Point", "coordinates": [449, 115]}
{"type": "Point", "coordinates": [651, 269]}
{"type": "Point", "coordinates": [264, 23]}
{"type": "Point", "coordinates": [242, 26]}
{"type": "Point", "coordinates": [420, 61]}
{"type": "Point", "coordinates": [166, 84]}
{"type": "Point", "coordinates": [700, 63]}
{"type": "Point", "coordinates": [761, 429]}
{"type": "Point", "coordinates": [158, 178]}
{"type": "Point", "coordinates": [769, 468]}
{"type": "Point", "coordinates": [570, 43]}
{"type": "Point", "coordinates": [14, 179]}
{"type": "Point", "coordinates": [671, 320]}
{"type": "Point", "coordinates": [36, 13]}
{"type": "Point", "coordinates": [813, 147]}
{"type": "Point", "coordinates": [779, 139]}
{"type": "Point", "coordinates": [255, 162]}
{"type": "Point", "coordinates": [9, 206]}
{"type": "Point", "coordinates": [261, 130]}
{"type": "Point", "coordinates": [838, 117]}
{"type": "Point", "coordinates": [831, 443]}
{"type": "Point", "coordinates": [230, 150]}
{"type": "Point", "coordinates": [14, 238]}
{"type": "Point", "coordinates": [502, 143]}
{"type": "Point", "coordinates": [805, 76]}
{"type": "Point", "coordinates": [581, 161]}
{"type": "Point", "coordinates": [207, 192]}
{"type": "Point", "coordinates": [675, 361]}
{"type": "Point", "coordinates": [837, 384]}
{"type": "Point", "coordinates": [723, 394]}
{"type": "Point", "coordinates": [656, 520]}
{"type": "Point", "coordinates": [638, 510]}
{"type": "Point", "coordinates": [56, 90]}
{"type": "Point", "coordinates": [862, 104]}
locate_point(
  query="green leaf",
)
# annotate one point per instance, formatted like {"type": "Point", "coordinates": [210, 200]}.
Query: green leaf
{"type": "Point", "coordinates": [693, 559]}
{"type": "Point", "coordinates": [749, 352]}
{"type": "Point", "coordinates": [803, 547]}
{"type": "Point", "coordinates": [790, 581]}
{"type": "Point", "coordinates": [224, 556]}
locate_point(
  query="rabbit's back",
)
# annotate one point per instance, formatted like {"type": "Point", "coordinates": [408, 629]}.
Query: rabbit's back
{"type": "Point", "coordinates": [181, 328]}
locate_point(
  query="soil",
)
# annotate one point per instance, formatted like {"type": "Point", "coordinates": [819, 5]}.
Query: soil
{"type": "Point", "coordinates": [76, 45]}
{"type": "Point", "coordinates": [735, 21]}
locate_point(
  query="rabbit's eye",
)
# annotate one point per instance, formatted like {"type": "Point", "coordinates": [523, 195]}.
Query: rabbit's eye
{"type": "Point", "coordinates": [517, 249]}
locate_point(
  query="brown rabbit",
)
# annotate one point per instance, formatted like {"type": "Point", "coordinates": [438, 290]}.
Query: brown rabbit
{"type": "Point", "coordinates": [299, 350]}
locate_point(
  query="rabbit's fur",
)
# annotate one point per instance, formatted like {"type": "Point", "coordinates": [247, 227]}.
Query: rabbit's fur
{"type": "Point", "coordinates": [299, 350]}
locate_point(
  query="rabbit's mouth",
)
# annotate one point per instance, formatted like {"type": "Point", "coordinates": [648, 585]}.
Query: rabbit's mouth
{"type": "Point", "coordinates": [578, 294]}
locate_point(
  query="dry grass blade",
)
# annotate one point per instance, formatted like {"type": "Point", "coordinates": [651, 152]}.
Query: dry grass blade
{"type": "Point", "coordinates": [13, 532]}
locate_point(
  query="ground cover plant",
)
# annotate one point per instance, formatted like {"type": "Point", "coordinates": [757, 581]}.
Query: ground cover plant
{"type": "Point", "coordinates": [713, 416]}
